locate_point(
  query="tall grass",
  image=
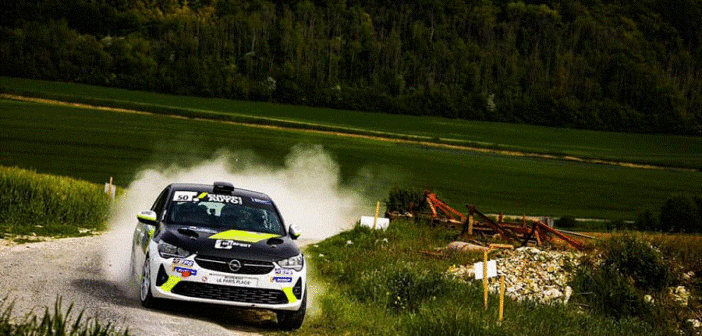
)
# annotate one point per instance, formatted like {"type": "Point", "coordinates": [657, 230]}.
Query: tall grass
{"type": "Point", "coordinates": [47, 204]}
{"type": "Point", "coordinates": [54, 323]}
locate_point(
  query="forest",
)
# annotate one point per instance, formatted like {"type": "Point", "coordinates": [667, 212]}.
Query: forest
{"type": "Point", "coordinates": [625, 66]}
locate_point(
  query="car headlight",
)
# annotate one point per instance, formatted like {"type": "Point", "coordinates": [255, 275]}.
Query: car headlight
{"type": "Point", "coordinates": [295, 262]}
{"type": "Point", "coordinates": [166, 250]}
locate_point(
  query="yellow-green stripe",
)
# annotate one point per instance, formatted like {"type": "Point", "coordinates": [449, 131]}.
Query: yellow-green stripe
{"type": "Point", "coordinates": [289, 293]}
{"type": "Point", "coordinates": [244, 236]}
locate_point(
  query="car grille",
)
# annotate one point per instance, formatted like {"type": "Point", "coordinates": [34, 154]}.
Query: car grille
{"type": "Point", "coordinates": [229, 293]}
{"type": "Point", "coordinates": [221, 264]}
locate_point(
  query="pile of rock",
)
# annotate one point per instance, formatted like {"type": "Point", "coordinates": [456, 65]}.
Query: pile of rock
{"type": "Point", "coordinates": [531, 274]}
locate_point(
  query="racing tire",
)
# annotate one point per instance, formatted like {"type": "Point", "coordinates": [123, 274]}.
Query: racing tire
{"type": "Point", "coordinates": [147, 300]}
{"type": "Point", "coordinates": [292, 320]}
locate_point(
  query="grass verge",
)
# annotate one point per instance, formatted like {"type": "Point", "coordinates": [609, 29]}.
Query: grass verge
{"type": "Point", "coordinates": [36, 204]}
{"type": "Point", "coordinates": [381, 283]}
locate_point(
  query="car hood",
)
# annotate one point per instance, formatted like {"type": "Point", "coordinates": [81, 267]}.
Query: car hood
{"type": "Point", "coordinates": [229, 243]}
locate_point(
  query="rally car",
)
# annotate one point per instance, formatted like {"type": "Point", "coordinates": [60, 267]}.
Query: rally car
{"type": "Point", "coordinates": [221, 245]}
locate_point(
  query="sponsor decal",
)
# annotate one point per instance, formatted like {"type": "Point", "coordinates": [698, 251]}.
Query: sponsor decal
{"type": "Point", "coordinates": [233, 280]}
{"type": "Point", "coordinates": [281, 279]}
{"type": "Point", "coordinates": [228, 244]}
{"type": "Point", "coordinates": [202, 229]}
{"type": "Point", "coordinates": [225, 199]}
{"type": "Point", "coordinates": [283, 271]}
{"type": "Point", "coordinates": [256, 200]}
{"type": "Point", "coordinates": [184, 196]}
{"type": "Point", "coordinates": [183, 262]}
{"type": "Point", "coordinates": [185, 272]}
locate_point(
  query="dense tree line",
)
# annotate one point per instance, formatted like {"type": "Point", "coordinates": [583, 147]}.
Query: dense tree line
{"type": "Point", "coordinates": [612, 65]}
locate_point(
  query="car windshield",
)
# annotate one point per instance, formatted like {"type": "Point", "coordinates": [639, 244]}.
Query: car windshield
{"type": "Point", "coordinates": [225, 214]}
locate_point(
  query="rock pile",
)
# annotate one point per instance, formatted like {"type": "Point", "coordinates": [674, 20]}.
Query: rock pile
{"type": "Point", "coordinates": [531, 274]}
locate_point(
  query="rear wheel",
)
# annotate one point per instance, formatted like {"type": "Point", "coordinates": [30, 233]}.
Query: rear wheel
{"type": "Point", "coordinates": [292, 320]}
{"type": "Point", "coordinates": [147, 300]}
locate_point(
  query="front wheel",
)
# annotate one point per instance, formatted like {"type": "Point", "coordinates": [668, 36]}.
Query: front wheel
{"type": "Point", "coordinates": [292, 320]}
{"type": "Point", "coordinates": [147, 300]}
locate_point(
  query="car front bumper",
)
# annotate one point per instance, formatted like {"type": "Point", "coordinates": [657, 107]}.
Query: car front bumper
{"type": "Point", "coordinates": [183, 279]}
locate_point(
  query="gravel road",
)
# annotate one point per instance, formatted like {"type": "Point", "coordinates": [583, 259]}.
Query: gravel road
{"type": "Point", "coordinates": [34, 275]}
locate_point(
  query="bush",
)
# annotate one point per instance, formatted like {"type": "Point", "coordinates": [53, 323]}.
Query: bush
{"type": "Point", "coordinates": [680, 214]}
{"type": "Point", "coordinates": [629, 269]}
{"type": "Point", "coordinates": [403, 200]}
{"type": "Point", "coordinates": [638, 260]}
{"type": "Point", "coordinates": [566, 222]}
{"type": "Point", "coordinates": [619, 224]}
{"type": "Point", "coordinates": [646, 221]}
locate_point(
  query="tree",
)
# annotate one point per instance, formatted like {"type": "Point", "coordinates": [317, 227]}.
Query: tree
{"type": "Point", "coordinates": [680, 214]}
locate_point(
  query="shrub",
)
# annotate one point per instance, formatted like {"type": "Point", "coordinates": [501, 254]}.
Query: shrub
{"type": "Point", "coordinates": [619, 224]}
{"type": "Point", "coordinates": [646, 221]}
{"type": "Point", "coordinates": [402, 200]}
{"type": "Point", "coordinates": [629, 268]}
{"type": "Point", "coordinates": [680, 214]}
{"type": "Point", "coordinates": [566, 222]}
{"type": "Point", "coordinates": [638, 260]}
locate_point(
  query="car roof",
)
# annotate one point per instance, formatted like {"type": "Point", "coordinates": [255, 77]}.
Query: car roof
{"type": "Point", "coordinates": [210, 189]}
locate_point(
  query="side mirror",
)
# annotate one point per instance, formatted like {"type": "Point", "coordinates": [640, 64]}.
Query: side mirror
{"type": "Point", "coordinates": [147, 217]}
{"type": "Point", "coordinates": [294, 232]}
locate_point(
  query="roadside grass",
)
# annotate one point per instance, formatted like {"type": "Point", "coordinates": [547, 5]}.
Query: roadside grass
{"type": "Point", "coordinates": [665, 150]}
{"type": "Point", "coordinates": [94, 144]}
{"type": "Point", "coordinates": [381, 283]}
{"type": "Point", "coordinates": [34, 204]}
{"type": "Point", "coordinates": [56, 322]}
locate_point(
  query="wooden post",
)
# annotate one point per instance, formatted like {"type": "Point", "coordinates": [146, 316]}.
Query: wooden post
{"type": "Point", "coordinates": [377, 210]}
{"type": "Point", "coordinates": [485, 278]}
{"type": "Point", "coordinates": [502, 296]}
{"type": "Point", "coordinates": [470, 224]}
{"type": "Point", "coordinates": [109, 190]}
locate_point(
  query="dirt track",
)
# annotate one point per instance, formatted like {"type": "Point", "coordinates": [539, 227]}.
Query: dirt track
{"type": "Point", "coordinates": [34, 275]}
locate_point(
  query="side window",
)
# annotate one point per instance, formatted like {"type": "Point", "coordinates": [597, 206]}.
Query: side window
{"type": "Point", "coordinates": [160, 202]}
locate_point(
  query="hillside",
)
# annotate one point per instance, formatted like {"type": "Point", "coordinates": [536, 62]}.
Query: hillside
{"type": "Point", "coordinates": [604, 65]}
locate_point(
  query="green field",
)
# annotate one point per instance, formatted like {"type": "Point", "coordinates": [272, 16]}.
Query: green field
{"type": "Point", "coordinates": [665, 150]}
{"type": "Point", "coordinates": [96, 144]}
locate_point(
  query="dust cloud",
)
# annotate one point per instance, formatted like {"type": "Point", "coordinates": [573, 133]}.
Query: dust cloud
{"type": "Point", "coordinates": [307, 191]}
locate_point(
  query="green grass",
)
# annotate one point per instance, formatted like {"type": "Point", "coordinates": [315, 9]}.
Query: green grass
{"type": "Point", "coordinates": [47, 205]}
{"type": "Point", "coordinates": [58, 322]}
{"type": "Point", "coordinates": [665, 150]}
{"type": "Point", "coordinates": [94, 145]}
{"type": "Point", "coordinates": [381, 284]}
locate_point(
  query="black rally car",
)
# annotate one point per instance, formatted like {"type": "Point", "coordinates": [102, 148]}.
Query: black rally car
{"type": "Point", "coordinates": [222, 245]}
